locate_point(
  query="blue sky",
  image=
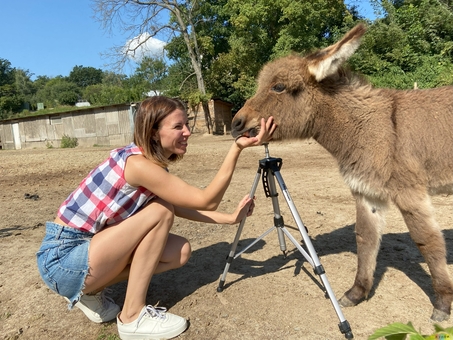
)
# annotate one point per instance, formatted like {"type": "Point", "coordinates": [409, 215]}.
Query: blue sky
{"type": "Point", "coordinates": [50, 37]}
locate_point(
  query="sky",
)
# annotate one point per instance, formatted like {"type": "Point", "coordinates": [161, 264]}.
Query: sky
{"type": "Point", "coordinates": [50, 37]}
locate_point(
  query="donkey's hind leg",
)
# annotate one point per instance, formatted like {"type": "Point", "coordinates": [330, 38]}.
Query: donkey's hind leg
{"type": "Point", "coordinates": [370, 221]}
{"type": "Point", "coordinates": [418, 214]}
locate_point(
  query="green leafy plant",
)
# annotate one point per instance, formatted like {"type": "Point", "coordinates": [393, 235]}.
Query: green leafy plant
{"type": "Point", "coordinates": [69, 142]}
{"type": "Point", "coordinates": [400, 331]}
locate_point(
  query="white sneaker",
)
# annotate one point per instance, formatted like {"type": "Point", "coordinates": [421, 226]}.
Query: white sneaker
{"type": "Point", "coordinates": [152, 323]}
{"type": "Point", "coordinates": [99, 307]}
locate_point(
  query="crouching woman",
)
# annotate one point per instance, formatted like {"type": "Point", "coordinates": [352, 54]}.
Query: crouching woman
{"type": "Point", "coordinates": [115, 225]}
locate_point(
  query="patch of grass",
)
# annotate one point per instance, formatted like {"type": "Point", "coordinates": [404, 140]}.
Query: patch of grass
{"type": "Point", "coordinates": [5, 315]}
{"type": "Point", "coordinates": [107, 335]}
{"type": "Point", "coordinates": [69, 142]}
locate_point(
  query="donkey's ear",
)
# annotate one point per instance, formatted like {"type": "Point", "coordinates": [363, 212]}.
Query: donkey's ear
{"type": "Point", "coordinates": [326, 62]}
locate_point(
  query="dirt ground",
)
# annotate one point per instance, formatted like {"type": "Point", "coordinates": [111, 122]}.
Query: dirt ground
{"type": "Point", "coordinates": [266, 295]}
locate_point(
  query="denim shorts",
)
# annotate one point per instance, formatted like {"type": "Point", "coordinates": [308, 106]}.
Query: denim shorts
{"type": "Point", "coordinates": [63, 260]}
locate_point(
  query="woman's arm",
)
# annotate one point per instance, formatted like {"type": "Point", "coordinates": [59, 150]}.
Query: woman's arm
{"type": "Point", "coordinates": [140, 171]}
{"type": "Point", "coordinates": [244, 208]}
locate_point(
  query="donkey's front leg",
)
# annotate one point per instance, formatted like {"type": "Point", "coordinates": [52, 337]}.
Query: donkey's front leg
{"type": "Point", "coordinates": [417, 212]}
{"type": "Point", "coordinates": [370, 221]}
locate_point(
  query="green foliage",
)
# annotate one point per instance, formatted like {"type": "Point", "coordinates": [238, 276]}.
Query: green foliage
{"type": "Point", "coordinates": [84, 76]}
{"type": "Point", "coordinates": [411, 44]}
{"type": "Point", "coordinates": [400, 331]}
{"type": "Point", "coordinates": [196, 97]}
{"type": "Point", "coordinates": [107, 94]}
{"type": "Point", "coordinates": [68, 142]}
{"type": "Point", "coordinates": [6, 72]}
{"type": "Point", "coordinates": [261, 30]}
{"type": "Point", "coordinates": [10, 101]}
{"type": "Point", "coordinates": [149, 75]}
{"type": "Point", "coordinates": [58, 91]}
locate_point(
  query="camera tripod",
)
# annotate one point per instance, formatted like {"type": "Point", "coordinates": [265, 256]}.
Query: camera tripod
{"type": "Point", "coordinates": [269, 167]}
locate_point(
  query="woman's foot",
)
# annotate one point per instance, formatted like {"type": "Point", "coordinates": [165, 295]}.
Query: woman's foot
{"type": "Point", "coordinates": [152, 323]}
{"type": "Point", "coordinates": [98, 307]}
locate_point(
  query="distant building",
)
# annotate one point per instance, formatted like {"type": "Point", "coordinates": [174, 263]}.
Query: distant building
{"type": "Point", "coordinates": [103, 125]}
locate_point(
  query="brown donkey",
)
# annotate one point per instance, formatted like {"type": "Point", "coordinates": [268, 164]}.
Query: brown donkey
{"type": "Point", "coordinates": [389, 144]}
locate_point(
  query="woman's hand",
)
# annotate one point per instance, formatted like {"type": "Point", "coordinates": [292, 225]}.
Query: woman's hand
{"type": "Point", "coordinates": [244, 208]}
{"type": "Point", "coordinates": [264, 136]}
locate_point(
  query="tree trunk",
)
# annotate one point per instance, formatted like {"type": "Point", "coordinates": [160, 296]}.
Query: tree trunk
{"type": "Point", "coordinates": [207, 117]}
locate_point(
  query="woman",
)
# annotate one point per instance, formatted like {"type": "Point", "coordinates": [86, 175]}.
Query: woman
{"type": "Point", "coordinates": [116, 225]}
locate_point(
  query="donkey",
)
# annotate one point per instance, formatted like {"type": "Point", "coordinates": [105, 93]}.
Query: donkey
{"type": "Point", "coordinates": [390, 145]}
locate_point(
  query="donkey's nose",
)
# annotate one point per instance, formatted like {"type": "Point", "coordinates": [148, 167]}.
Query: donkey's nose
{"type": "Point", "coordinates": [237, 125]}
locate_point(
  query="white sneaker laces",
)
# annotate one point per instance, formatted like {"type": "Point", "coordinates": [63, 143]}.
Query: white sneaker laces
{"type": "Point", "coordinates": [154, 312]}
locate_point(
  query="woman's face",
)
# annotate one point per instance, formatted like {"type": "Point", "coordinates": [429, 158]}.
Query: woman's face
{"type": "Point", "coordinates": [173, 133]}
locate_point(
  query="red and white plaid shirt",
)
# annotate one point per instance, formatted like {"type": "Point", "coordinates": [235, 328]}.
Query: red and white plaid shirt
{"type": "Point", "coordinates": [104, 197]}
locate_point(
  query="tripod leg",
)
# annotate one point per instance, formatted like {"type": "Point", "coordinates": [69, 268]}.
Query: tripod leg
{"type": "Point", "coordinates": [278, 219]}
{"type": "Point", "coordinates": [318, 268]}
{"type": "Point", "coordinates": [231, 255]}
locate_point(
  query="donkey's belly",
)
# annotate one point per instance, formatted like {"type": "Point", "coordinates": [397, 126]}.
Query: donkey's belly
{"type": "Point", "coordinates": [365, 187]}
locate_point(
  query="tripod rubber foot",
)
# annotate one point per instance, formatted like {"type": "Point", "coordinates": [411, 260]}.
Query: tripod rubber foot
{"type": "Point", "coordinates": [349, 335]}
{"type": "Point", "coordinates": [220, 287]}
{"type": "Point", "coordinates": [346, 329]}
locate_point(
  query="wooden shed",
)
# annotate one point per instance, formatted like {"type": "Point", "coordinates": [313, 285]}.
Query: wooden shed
{"type": "Point", "coordinates": [221, 117]}
{"type": "Point", "coordinates": [105, 125]}
{"type": "Point", "coordinates": [111, 125]}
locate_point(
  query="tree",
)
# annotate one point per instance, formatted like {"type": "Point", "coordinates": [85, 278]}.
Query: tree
{"type": "Point", "coordinates": [58, 91]}
{"type": "Point", "coordinates": [101, 94]}
{"type": "Point", "coordinates": [84, 76]}
{"type": "Point", "coordinates": [9, 100]}
{"type": "Point", "coordinates": [6, 72]}
{"type": "Point", "coordinates": [411, 43]}
{"type": "Point", "coordinates": [142, 18]}
{"type": "Point", "coordinates": [261, 30]}
{"type": "Point", "coordinates": [24, 85]}
{"type": "Point", "coordinates": [149, 75]}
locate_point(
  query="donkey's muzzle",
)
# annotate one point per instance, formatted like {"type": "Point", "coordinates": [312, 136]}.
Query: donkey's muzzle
{"type": "Point", "coordinates": [237, 127]}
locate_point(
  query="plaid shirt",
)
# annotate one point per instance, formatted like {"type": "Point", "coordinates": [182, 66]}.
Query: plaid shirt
{"type": "Point", "coordinates": [104, 197]}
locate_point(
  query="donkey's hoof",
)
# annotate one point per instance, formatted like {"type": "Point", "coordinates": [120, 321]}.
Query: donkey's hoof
{"type": "Point", "coordinates": [439, 315]}
{"type": "Point", "coordinates": [346, 302]}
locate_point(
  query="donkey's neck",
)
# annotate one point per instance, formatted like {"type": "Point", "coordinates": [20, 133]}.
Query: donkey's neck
{"type": "Point", "coordinates": [359, 134]}
{"type": "Point", "coordinates": [343, 122]}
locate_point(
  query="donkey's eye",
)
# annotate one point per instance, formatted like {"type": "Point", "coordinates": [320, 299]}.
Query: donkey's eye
{"type": "Point", "coordinates": [278, 88]}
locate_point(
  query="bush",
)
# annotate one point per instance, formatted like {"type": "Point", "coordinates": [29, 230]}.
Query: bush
{"type": "Point", "coordinates": [69, 142]}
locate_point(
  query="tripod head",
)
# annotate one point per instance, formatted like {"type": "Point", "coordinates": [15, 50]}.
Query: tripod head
{"type": "Point", "coordinates": [270, 165]}
{"type": "Point", "coordinates": [266, 150]}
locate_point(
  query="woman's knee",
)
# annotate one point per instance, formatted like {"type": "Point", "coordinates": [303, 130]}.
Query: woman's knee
{"type": "Point", "coordinates": [163, 210]}
{"type": "Point", "coordinates": [186, 252]}
{"type": "Point", "coordinates": [177, 251]}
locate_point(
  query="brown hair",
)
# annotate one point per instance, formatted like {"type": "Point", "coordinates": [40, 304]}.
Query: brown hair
{"type": "Point", "coordinates": [147, 122]}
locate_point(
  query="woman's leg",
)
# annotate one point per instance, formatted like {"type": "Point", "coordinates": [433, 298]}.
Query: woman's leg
{"type": "Point", "coordinates": [135, 245]}
{"type": "Point", "coordinates": [176, 254]}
